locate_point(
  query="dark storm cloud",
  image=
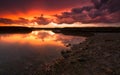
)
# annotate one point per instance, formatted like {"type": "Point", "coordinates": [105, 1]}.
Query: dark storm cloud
{"type": "Point", "coordinates": [76, 15]}
{"type": "Point", "coordinates": [24, 5]}
{"type": "Point", "coordinates": [102, 12]}
{"type": "Point", "coordinates": [80, 10]}
{"type": "Point", "coordinates": [99, 3]}
{"type": "Point", "coordinates": [113, 5]}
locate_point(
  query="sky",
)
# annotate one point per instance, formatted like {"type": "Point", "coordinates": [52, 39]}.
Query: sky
{"type": "Point", "coordinates": [59, 12]}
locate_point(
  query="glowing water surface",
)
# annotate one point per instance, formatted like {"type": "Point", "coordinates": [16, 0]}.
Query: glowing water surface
{"type": "Point", "coordinates": [33, 48]}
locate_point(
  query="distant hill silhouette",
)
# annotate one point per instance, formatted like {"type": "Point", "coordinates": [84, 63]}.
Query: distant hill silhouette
{"type": "Point", "coordinates": [66, 30]}
{"type": "Point", "coordinates": [14, 29]}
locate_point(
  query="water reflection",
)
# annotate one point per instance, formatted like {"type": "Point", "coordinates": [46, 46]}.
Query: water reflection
{"type": "Point", "coordinates": [35, 47]}
{"type": "Point", "coordinates": [39, 38]}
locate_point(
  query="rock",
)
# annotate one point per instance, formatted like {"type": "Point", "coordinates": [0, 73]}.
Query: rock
{"type": "Point", "coordinates": [82, 59]}
{"type": "Point", "coordinates": [68, 45]}
{"type": "Point", "coordinates": [65, 54]}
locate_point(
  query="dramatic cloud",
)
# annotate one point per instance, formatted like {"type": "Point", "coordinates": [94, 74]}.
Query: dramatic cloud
{"type": "Point", "coordinates": [41, 20]}
{"type": "Point", "coordinates": [6, 21]}
{"type": "Point", "coordinates": [102, 12]}
{"type": "Point", "coordinates": [83, 11]}
{"type": "Point", "coordinates": [99, 3]}
{"type": "Point", "coordinates": [22, 21]}
{"type": "Point", "coordinates": [10, 21]}
{"type": "Point", "coordinates": [113, 5]}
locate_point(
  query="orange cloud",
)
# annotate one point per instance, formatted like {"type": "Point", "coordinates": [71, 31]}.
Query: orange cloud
{"type": "Point", "coordinates": [28, 12]}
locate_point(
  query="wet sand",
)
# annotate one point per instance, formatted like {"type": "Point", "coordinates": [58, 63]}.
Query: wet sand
{"type": "Point", "coordinates": [98, 55]}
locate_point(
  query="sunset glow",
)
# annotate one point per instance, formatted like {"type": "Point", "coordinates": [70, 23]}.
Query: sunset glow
{"type": "Point", "coordinates": [59, 37]}
{"type": "Point", "coordinates": [44, 12]}
{"type": "Point", "coordinates": [35, 38]}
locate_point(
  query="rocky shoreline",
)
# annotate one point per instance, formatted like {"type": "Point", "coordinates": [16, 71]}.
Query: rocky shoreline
{"type": "Point", "coordinates": [98, 55]}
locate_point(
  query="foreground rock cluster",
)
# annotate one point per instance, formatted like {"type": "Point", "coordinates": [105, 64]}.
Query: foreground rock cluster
{"type": "Point", "coordinates": [98, 55]}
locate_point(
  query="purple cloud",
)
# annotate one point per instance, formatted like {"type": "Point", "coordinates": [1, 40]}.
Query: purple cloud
{"type": "Point", "coordinates": [102, 12]}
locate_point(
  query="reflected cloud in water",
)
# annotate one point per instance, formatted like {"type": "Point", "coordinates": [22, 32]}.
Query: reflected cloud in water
{"type": "Point", "coordinates": [19, 52]}
{"type": "Point", "coordinates": [44, 45]}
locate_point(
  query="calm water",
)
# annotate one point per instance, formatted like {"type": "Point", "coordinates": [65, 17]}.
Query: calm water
{"type": "Point", "coordinates": [37, 47]}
